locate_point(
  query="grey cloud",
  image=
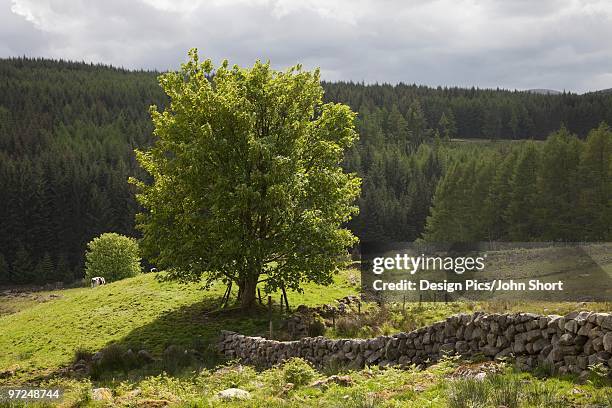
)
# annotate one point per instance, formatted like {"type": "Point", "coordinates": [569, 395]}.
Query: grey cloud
{"type": "Point", "coordinates": [513, 44]}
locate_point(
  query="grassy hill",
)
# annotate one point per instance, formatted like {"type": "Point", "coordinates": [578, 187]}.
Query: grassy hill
{"type": "Point", "coordinates": [41, 331]}
{"type": "Point", "coordinates": [43, 335]}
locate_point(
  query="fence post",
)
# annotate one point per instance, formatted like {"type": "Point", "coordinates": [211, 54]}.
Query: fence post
{"type": "Point", "coordinates": [270, 313]}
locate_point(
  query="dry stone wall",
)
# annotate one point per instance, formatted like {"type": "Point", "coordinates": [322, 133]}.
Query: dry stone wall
{"type": "Point", "coordinates": [569, 343]}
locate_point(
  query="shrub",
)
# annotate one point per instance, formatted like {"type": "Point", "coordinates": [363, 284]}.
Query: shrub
{"type": "Point", "coordinates": [505, 391]}
{"type": "Point", "coordinates": [82, 354]}
{"type": "Point", "coordinates": [298, 371]}
{"type": "Point", "coordinates": [112, 256]}
{"type": "Point", "coordinates": [348, 326]}
{"type": "Point", "coordinates": [175, 358]}
{"type": "Point", "coordinates": [112, 357]}
{"type": "Point", "coordinates": [316, 326]}
{"type": "Point", "coordinates": [468, 392]}
{"type": "Point", "coordinates": [544, 369]}
{"type": "Point", "coordinates": [115, 357]}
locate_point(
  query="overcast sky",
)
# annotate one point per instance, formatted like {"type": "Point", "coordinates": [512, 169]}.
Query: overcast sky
{"type": "Point", "coordinates": [516, 44]}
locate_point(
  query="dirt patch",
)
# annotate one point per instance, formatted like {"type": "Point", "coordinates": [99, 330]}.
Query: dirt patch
{"type": "Point", "coordinates": [13, 301]}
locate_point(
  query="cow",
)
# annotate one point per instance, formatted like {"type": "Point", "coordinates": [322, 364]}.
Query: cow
{"type": "Point", "coordinates": [97, 281]}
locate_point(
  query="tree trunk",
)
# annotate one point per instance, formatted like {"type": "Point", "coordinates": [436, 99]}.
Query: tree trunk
{"type": "Point", "coordinates": [248, 292]}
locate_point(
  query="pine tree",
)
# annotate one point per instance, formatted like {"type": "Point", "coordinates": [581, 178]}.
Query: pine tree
{"type": "Point", "coordinates": [558, 187]}
{"type": "Point", "coordinates": [63, 269]}
{"type": "Point", "coordinates": [479, 188]}
{"type": "Point", "coordinates": [595, 198]}
{"type": "Point", "coordinates": [23, 267]}
{"type": "Point", "coordinates": [44, 269]}
{"type": "Point", "coordinates": [496, 201]}
{"type": "Point", "coordinates": [417, 123]}
{"type": "Point", "coordinates": [522, 220]}
{"type": "Point", "coordinates": [447, 125]}
{"type": "Point", "coordinates": [491, 128]}
{"type": "Point", "coordinates": [444, 225]}
{"type": "Point", "coordinates": [5, 276]}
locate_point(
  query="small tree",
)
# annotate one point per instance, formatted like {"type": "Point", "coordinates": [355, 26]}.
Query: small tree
{"type": "Point", "coordinates": [44, 269]}
{"type": "Point", "coordinates": [112, 256]}
{"type": "Point", "coordinates": [4, 271]}
{"type": "Point", "coordinates": [247, 184]}
{"type": "Point", "coordinates": [23, 267]}
{"type": "Point", "coordinates": [63, 270]}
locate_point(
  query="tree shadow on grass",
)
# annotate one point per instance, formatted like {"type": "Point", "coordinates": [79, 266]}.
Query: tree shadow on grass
{"type": "Point", "coordinates": [193, 329]}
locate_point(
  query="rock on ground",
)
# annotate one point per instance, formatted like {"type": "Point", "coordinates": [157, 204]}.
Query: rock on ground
{"type": "Point", "coordinates": [101, 394]}
{"type": "Point", "coordinates": [233, 393]}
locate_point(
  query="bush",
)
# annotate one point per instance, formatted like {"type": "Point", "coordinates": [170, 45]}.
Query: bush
{"type": "Point", "coordinates": [82, 354]}
{"type": "Point", "coordinates": [317, 326]}
{"type": "Point", "coordinates": [298, 371]}
{"type": "Point", "coordinates": [347, 326]}
{"type": "Point", "coordinates": [115, 357]}
{"type": "Point", "coordinates": [176, 358]}
{"type": "Point", "coordinates": [468, 392]}
{"type": "Point", "coordinates": [112, 256]}
{"type": "Point", "coordinates": [505, 391]}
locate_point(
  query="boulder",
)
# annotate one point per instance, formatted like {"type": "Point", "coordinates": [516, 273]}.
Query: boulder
{"type": "Point", "coordinates": [144, 356]}
{"type": "Point", "coordinates": [102, 394]}
{"type": "Point", "coordinates": [234, 394]}
{"type": "Point", "coordinates": [607, 342]}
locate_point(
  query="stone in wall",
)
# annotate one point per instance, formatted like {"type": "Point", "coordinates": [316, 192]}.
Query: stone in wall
{"type": "Point", "coordinates": [568, 343]}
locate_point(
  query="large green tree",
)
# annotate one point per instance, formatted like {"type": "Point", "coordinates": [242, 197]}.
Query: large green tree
{"type": "Point", "coordinates": [246, 184]}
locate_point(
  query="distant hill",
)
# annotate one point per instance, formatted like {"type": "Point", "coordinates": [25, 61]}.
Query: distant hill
{"type": "Point", "coordinates": [541, 91]}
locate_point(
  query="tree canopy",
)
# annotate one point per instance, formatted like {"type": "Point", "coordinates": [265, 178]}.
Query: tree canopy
{"type": "Point", "coordinates": [246, 183]}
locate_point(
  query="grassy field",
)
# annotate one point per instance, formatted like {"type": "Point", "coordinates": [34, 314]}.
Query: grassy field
{"type": "Point", "coordinates": [40, 336]}
{"type": "Point", "coordinates": [41, 331]}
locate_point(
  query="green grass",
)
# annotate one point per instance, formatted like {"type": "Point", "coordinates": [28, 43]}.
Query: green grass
{"type": "Point", "coordinates": [138, 312]}
{"type": "Point", "coordinates": [41, 333]}
{"type": "Point", "coordinates": [436, 386]}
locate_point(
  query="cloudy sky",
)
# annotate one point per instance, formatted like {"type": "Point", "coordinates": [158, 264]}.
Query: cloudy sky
{"type": "Point", "coordinates": [516, 44]}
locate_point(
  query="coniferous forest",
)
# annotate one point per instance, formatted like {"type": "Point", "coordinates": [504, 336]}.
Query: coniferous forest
{"type": "Point", "coordinates": [68, 133]}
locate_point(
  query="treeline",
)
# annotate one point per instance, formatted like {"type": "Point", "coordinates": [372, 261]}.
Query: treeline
{"type": "Point", "coordinates": [400, 165]}
{"type": "Point", "coordinates": [68, 130]}
{"type": "Point", "coordinates": [67, 134]}
{"type": "Point", "coordinates": [480, 113]}
{"type": "Point", "coordinates": [559, 190]}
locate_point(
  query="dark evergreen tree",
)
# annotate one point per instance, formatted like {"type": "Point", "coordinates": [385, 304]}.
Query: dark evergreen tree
{"type": "Point", "coordinates": [447, 125]}
{"type": "Point", "coordinates": [595, 199]}
{"type": "Point", "coordinates": [23, 268]}
{"type": "Point", "coordinates": [558, 187]}
{"type": "Point", "coordinates": [521, 215]}
{"type": "Point", "coordinates": [5, 277]}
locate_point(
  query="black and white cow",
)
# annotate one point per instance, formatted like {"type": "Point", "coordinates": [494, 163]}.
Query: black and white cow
{"type": "Point", "coordinates": [97, 281]}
